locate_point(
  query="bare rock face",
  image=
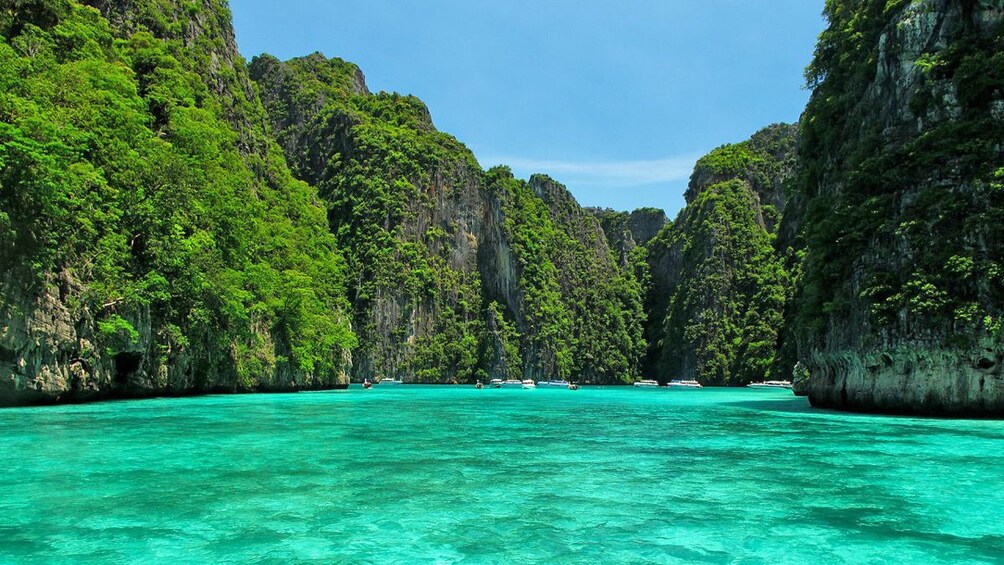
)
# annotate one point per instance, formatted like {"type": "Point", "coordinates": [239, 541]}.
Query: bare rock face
{"type": "Point", "coordinates": [41, 355]}
{"type": "Point", "coordinates": [645, 223]}
{"type": "Point", "coordinates": [911, 380]}
{"type": "Point", "coordinates": [901, 301]}
{"type": "Point", "coordinates": [627, 230]}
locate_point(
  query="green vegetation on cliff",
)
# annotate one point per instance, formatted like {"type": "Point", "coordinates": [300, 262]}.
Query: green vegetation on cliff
{"type": "Point", "coordinates": [451, 267]}
{"type": "Point", "coordinates": [582, 313]}
{"type": "Point", "coordinates": [906, 240]}
{"type": "Point", "coordinates": [900, 174]}
{"type": "Point", "coordinates": [719, 286]}
{"type": "Point", "coordinates": [379, 164]}
{"type": "Point", "coordinates": [391, 182]}
{"type": "Point", "coordinates": [184, 255]}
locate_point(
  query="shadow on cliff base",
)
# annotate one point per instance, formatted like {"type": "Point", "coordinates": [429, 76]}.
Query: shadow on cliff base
{"type": "Point", "coordinates": [800, 405]}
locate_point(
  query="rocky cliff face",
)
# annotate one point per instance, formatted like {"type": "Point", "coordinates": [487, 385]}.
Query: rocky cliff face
{"type": "Point", "coordinates": [718, 286]}
{"type": "Point", "coordinates": [603, 295]}
{"type": "Point", "coordinates": [406, 203]}
{"type": "Point", "coordinates": [458, 274]}
{"type": "Point", "coordinates": [139, 205]}
{"type": "Point", "coordinates": [902, 169]}
{"type": "Point", "coordinates": [625, 231]}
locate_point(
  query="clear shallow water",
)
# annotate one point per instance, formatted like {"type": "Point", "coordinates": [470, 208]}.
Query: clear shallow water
{"type": "Point", "coordinates": [452, 474]}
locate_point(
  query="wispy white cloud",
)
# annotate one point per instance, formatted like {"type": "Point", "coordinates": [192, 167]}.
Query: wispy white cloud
{"type": "Point", "coordinates": [613, 174]}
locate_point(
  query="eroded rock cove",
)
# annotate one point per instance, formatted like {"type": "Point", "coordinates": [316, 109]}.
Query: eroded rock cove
{"type": "Point", "coordinates": [176, 221]}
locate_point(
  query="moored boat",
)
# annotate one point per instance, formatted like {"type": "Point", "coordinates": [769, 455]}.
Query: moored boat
{"type": "Point", "coordinates": [495, 383]}
{"type": "Point", "coordinates": [389, 381]}
{"type": "Point", "coordinates": [646, 382]}
{"type": "Point", "coordinates": [677, 383]}
{"type": "Point", "coordinates": [511, 383]}
{"type": "Point", "coordinates": [553, 383]}
{"type": "Point", "coordinates": [528, 383]}
{"type": "Point", "coordinates": [770, 384]}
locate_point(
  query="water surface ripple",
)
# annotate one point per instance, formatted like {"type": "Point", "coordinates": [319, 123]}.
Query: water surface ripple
{"type": "Point", "coordinates": [451, 474]}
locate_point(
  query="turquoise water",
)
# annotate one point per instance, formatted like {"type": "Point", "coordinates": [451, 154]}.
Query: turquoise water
{"type": "Point", "coordinates": [451, 474]}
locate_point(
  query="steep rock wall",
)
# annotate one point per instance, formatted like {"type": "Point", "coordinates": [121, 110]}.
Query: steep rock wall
{"type": "Point", "coordinates": [901, 170]}
{"type": "Point", "coordinates": [458, 274]}
{"type": "Point", "coordinates": [625, 231]}
{"type": "Point", "coordinates": [717, 284]}
{"type": "Point", "coordinates": [407, 204]}
{"type": "Point", "coordinates": [124, 269]}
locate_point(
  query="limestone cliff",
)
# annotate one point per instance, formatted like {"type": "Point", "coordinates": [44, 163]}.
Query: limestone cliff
{"type": "Point", "coordinates": [717, 284]}
{"type": "Point", "coordinates": [458, 274]}
{"type": "Point", "coordinates": [140, 206]}
{"type": "Point", "coordinates": [901, 168]}
{"type": "Point", "coordinates": [603, 296]}
{"type": "Point", "coordinates": [406, 203]}
{"type": "Point", "coordinates": [625, 231]}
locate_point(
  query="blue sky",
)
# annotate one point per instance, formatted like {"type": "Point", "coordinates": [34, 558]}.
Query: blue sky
{"type": "Point", "coordinates": [616, 99]}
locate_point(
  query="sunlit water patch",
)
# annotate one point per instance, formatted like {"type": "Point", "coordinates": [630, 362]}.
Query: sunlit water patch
{"type": "Point", "coordinates": [453, 474]}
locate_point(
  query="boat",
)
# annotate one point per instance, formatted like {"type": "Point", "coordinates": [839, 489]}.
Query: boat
{"type": "Point", "coordinates": [528, 383]}
{"type": "Point", "coordinates": [646, 382]}
{"type": "Point", "coordinates": [677, 383]}
{"type": "Point", "coordinates": [389, 382]}
{"type": "Point", "coordinates": [479, 385]}
{"type": "Point", "coordinates": [770, 384]}
{"type": "Point", "coordinates": [553, 383]}
{"type": "Point", "coordinates": [495, 383]}
{"type": "Point", "coordinates": [573, 386]}
{"type": "Point", "coordinates": [367, 383]}
{"type": "Point", "coordinates": [511, 383]}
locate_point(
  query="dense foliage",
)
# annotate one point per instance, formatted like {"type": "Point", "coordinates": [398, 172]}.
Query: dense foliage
{"type": "Point", "coordinates": [907, 243]}
{"type": "Point", "coordinates": [582, 313]}
{"type": "Point", "coordinates": [719, 307]}
{"type": "Point", "coordinates": [125, 176]}
{"type": "Point", "coordinates": [144, 187]}
{"type": "Point", "coordinates": [452, 267]}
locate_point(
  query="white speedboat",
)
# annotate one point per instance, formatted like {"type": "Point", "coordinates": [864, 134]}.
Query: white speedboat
{"type": "Point", "coordinates": [646, 382]}
{"type": "Point", "coordinates": [770, 384]}
{"type": "Point", "coordinates": [552, 384]}
{"type": "Point", "coordinates": [386, 381]}
{"type": "Point", "coordinates": [495, 383]}
{"type": "Point", "coordinates": [511, 383]}
{"type": "Point", "coordinates": [528, 383]}
{"type": "Point", "coordinates": [677, 383]}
